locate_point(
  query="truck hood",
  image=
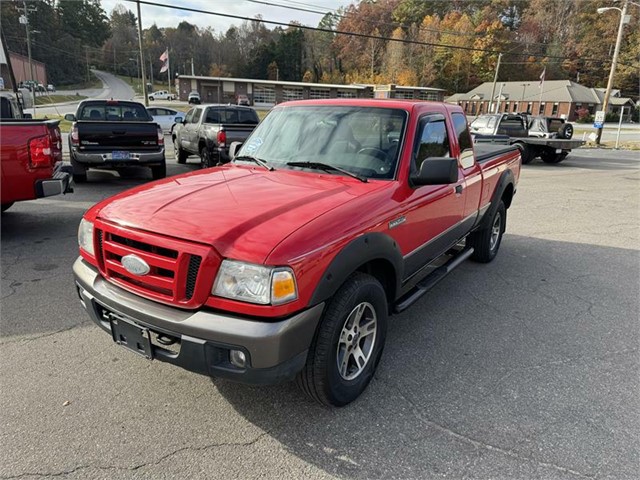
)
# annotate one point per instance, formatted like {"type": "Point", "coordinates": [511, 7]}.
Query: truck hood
{"type": "Point", "coordinates": [243, 212]}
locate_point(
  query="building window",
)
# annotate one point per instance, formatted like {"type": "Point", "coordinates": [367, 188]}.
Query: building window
{"type": "Point", "coordinates": [473, 108]}
{"type": "Point", "coordinates": [264, 94]}
{"type": "Point", "coordinates": [404, 94]}
{"type": "Point", "coordinates": [541, 109]}
{"type": "Point", "coordinates": [346, 94]}
{"type": "Point", "coordinates": [317, 93]}
{"type": "Point", "coordinates": [529, 107]}
{"type": "Point", "coordinates": [555, 109]}
{"type": "Point", "coordinates": [427, 95]}
{"type": "Point", "coordinates": [515, 107]}
{"type": "Point", "coordinates": [506, 107]}
{"type": "Point", "coordinates": [292, 93]}
{"type": "Point", "coordinates": [481, 108]}
{"type": "Point", "coordinates": [591, 109]}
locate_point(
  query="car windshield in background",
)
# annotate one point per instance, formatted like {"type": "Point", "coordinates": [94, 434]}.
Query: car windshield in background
{"type": "Point", "coordinates": [231, 115]}
{"type": "Point", "coordinates": [362, 140]}
{"type": "Point", "coordinates": [114, 113]}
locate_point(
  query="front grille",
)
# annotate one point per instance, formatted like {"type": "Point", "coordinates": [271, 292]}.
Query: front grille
{"type": "Point", "coordinates": [192, 274]}
{"type": "Point", "coordinates": [175, 266]}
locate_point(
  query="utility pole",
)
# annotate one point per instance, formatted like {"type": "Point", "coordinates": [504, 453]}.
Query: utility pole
{"type": "Point", "coordinates": [144, 77]}
{"type": "Point", "coordinates": [26, 24]}
{"type": "Point", "coordinates": [614, 61]}
{"type": "Point", "coordinates": [151, 70]}
{"type": "Point", "coordinates": [86, 52]}
{"type": "Point", "coordinates": [193, 73]}
{"type": "Point", "coordinates": [495, 79]}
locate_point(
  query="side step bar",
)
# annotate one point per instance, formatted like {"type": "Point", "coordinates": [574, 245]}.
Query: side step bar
{"type": "Point", "coordinates": [431, 281]}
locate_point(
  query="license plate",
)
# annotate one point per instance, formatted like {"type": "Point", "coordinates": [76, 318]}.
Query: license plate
{"type": "Point", "coordinates": [120, 155]}
{"type": "Point", "coordinates": [132, 337]}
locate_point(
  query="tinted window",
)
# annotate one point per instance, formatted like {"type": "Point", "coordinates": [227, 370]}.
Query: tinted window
{"type": "Point", "coordinates": [231, 115]}
{"type": "Point", "coordinates": [464, 140]}
{"type": "Point", "coordinates": [114, 112]}
{"type": "Point", "coordinates": [5, 110]}
{"type": "Point", "coordinates": [433, 141]}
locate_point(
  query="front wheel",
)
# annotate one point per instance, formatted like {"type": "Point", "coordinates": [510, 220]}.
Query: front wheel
{"type": "Point", "coordinates": [179, 153]}
{"type": "Point", "coordinates": [348, 343]}
{"type": "Point", "coordinates": [486, 242]}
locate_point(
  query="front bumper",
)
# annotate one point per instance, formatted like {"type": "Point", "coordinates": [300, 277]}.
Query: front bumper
{"type": "Point", "coordinates": [275, 351]}
{"type": "Point", "coordinates": [105, 159]}
{"type": "Point", "coordinates": [60, 183]}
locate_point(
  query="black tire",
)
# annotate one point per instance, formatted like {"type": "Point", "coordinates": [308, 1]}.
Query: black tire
{"type": "Point", "coordinates": [321, 378]}
{"type": "Point", "coordinates": [485, 246]}
{"type": "Point", "coordinates": [180, 154]}
{"type": "Point", "coordinates": [79, 171]}
{"type": "Point", "coordinates": [207, 159]}
{"type": "Point", "coordinates": [565, 131]}
{"type": "Point", "coordinates": [6, 206]}
{"type": "Point", "coordinates": [552, 156]}
{"type": "Point", "coordinates": [526, 154]}
{"type": "Point", "coordinates": [159, 172]}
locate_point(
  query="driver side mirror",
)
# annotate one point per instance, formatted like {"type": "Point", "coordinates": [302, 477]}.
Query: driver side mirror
{"type": "Point", "coordinates": [436, 171]}
{"type": "Point", "coordinates": [70, 117]}
{"type": "Point", "coordinates": [178, 120]}
{"type": "Point", "coordinates": [233, 148]}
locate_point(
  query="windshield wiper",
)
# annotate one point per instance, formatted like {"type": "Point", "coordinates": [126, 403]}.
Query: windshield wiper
{"type": "Point", "coordinates": [257, 160]}
{"type": "Point", "coordinates": [326, 167]}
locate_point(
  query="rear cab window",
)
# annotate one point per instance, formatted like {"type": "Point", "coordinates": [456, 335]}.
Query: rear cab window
{"type": "Point", "coordinates": [231, 115]}
{"type": "Point", "coordinates": [433, 140]}
{"type": "Point", "coordinates": [467, 158]}
{"type": "Point", "coordinates": [116, 112]}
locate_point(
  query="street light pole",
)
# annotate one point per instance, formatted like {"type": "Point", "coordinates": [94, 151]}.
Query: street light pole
{"type": "Point", "coordinates": [495, 80]}
{"type": "Point", "coordinates": [141, 63]}
{"type": "Point", "coordinates": [614, 61]}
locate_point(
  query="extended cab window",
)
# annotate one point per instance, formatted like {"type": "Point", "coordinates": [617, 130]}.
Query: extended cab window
{"type": "Point", "coordinates": [464, 140]}
{"type": "Point", "coordinates": [114, 112]}
{"type": "Point", "coordinates": [432, 141]}
{"type": "Point", "coordinates": [189, 116]}
{"type": "Point", "coordinates": [196, 115]}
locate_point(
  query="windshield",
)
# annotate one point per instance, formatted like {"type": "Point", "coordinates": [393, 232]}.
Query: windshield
{"type": "Point", "coordinates": [361, 140]}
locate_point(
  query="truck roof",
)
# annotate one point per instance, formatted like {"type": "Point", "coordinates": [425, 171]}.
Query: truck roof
{"type": "Point", "coordinates": [373, 102]}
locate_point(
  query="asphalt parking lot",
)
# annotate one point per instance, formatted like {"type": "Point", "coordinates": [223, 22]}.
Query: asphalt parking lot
{"type": "Point", "coordinates": [524, 368]}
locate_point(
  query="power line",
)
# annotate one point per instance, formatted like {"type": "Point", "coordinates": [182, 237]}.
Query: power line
{"type": "Point", "coordinates": [352, 34]}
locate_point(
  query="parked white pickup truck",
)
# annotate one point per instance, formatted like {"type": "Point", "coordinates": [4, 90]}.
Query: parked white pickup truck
{"type": "Point", "coordinates": [161, 95]}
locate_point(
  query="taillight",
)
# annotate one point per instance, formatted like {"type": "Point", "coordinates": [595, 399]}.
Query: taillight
{"type": "Point", "coordinates": [222, 138]}
{"type": "Point", "coordinates": [40, 152]}
{"type": "Point", "coordinates": [75, 137]}
{"type": "Point", "coordinates": [160, 137]}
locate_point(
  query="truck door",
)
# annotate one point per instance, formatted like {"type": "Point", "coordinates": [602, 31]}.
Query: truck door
{"type": "Point", "coordinates": [435, 212]}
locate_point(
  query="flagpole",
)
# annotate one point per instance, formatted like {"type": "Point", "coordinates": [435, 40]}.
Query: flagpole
{"type": "Point", "coordinates": [168, 71]}
{"type": "Point", "coordinates": [542, 91]}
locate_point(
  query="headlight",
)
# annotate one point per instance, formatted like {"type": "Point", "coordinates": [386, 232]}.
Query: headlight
{"type": "Point", "coordinates": [85, 236]}
{"type": "Point", "coordinates": [255, 283]}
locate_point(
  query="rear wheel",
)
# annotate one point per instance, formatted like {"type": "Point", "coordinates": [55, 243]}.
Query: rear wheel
{"type": "Point", "coordinates": [79, 171]}
{"type": "Point", "coordinates": [526, 153]}
{"type": "Point", "coordinates": [207, 159]}
{"type": "Point", "coordinates": [552, 156]}
{"type": "Point", "coordinates": [486, 242]}
{"type": "Point", "coordinates": [348, 343]}
{"type": "Point", "coordinates": [159, 172]}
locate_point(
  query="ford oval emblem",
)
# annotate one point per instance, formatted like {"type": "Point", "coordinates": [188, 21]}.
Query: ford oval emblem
{"type": "Point", "coordinates": [134, 264]}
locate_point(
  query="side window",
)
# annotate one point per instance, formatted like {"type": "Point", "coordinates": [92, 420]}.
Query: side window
{"type": "Point", "coordinates": [433, 140]}
{"type": "Point", "coordinates": [464, 140]}
{"type": "Point", "coordinates": [196, 115]}
{"type": "Point", "coordinates": [189, 116]}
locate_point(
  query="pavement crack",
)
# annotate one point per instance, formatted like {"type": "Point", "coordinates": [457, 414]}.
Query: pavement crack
{"type": "Point", "coordinates": [477, 444]}
{"type": "Point", "coordinates": [138, 466]}
{"type": "Point", "coordinates": [37, 337]}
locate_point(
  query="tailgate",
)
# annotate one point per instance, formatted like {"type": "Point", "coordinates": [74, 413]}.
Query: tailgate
{"type": "Point", "coordinates": [237, 132]}
{"type": "Point", "coordinates": [117, 135]}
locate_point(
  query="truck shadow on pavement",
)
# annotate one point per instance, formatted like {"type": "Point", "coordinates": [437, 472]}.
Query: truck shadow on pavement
{"type": "Point", "coordinates": [592, 159]}
{"type": "Point", "coordinates": [502, 371]}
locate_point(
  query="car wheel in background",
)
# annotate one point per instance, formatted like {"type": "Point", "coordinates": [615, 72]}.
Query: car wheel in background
{"type": "Point", "coordinates": [159, 171]}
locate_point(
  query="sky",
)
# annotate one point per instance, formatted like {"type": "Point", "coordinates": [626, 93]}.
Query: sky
{"type": "Point", "coordinates": [164, 17]}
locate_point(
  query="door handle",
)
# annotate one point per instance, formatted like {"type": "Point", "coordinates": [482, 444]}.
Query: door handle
{"type": "Point", "coordinates": [459, 189]}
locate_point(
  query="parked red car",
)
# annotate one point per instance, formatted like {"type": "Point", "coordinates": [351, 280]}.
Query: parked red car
{"type": "Point", "coordinates": [287, 262]}
{"type": "Point", "coordinates": [31, 156]}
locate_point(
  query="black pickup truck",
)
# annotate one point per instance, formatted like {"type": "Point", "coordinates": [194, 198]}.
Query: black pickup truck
{"type": "Point", "coordinates": [114, 134]}
{"type": "Point", "coordinates": [546, 137]}
{"type": "Point", "coordinates": [209, 130]}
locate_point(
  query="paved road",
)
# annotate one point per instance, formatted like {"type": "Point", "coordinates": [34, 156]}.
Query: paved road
{"type": "Point", "coordinates": [524, 368]}
{"type": "Point", "coordinates": [113, 87]}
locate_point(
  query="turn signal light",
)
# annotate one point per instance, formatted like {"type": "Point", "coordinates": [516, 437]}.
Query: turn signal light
{"type": "Point", "coordinates": [75, 136]}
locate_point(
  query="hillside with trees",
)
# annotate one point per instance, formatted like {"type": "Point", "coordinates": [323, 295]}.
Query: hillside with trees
{"type": "Point", "coordinates": [452, 45]}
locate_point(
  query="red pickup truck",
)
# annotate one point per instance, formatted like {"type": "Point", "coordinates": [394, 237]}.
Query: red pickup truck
{"type": "Point", "coordinates": [31, 156]}
{"type": "Point", "coordinates": [287, 262]}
